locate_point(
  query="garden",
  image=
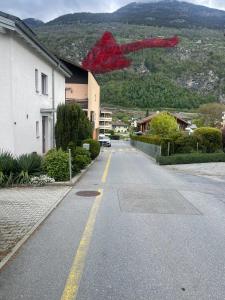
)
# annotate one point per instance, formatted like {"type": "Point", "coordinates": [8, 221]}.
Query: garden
{"type": "Point", "coordinates": [206, 144]}
{"type": "Point", "coordinates": [72, 131]}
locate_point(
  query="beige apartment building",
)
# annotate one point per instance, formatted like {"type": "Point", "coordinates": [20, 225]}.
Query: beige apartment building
{"type": "Point", "coordinates": [105, 121]}
{"type": "Point", "coordinates": [82, 88]}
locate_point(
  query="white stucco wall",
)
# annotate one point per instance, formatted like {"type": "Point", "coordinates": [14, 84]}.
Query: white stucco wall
{"type": "Point", "coordinates": [20, 104]}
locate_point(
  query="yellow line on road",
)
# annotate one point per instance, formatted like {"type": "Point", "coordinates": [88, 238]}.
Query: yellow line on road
{"type": "Point", "coordinates": [105, 174]}
{"type": "Point", "coordinates": [73, 280]}
{"type": "Point", "coordinates": [76, 271]}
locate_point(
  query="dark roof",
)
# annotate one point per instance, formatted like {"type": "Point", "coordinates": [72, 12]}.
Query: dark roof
{"type": "Point", "coordinates": [32, 36]}
{"type": "Point", "coordinates": [119, 124]}
{"type": "Point", "coordinates": [79, 74]}
{"type": "Point", "coordinates": [149, 118]}
{"type": "Point", "coordinates": [74, 66]}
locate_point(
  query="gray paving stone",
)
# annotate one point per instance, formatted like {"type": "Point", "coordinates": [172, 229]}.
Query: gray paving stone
{"type": "Point", "coordinates": [21, 209]}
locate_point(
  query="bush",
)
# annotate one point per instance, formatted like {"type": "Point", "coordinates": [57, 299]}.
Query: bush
{"type": "Point", "coordinates": [72, 126]}
{"type": "Point", "coordinates": [164, 124]}
{"type": "Point", "coordinates": [56, 164]}
{"type": "Point", "coordinates": [185, 144]}
{"type": "Point", "coordinates": [209, 139]}
{"type": "Point", "coordinates": [156, 140]}
{"type": "Point", "coordinates": [81, 161]}
{"type": "Point", "coordinates": [28, 165]}
{"type": "Point", "coordinates": [115, 137]}
{"type": "Point", "coordinates": [191, 158]}
{"type": "Point", "coordinates": [94, 147]}
{"type": "Point", "coordinates": [7, 168]}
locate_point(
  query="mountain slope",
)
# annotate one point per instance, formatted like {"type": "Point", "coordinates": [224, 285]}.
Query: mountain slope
{"type": "Point", "coordinates": [169, 13]}
{"type": "Point", "coordinates": [33, 23]}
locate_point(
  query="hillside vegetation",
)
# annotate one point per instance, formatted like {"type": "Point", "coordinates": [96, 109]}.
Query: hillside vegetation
{"type": "Point", "coordinates": [184, 77]}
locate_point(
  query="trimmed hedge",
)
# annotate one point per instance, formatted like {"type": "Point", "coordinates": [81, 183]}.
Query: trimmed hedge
{"type": "Point", "coordinates": [209, 139]}
{"type": "Point", "coordinates": [191, 158]}
{"type": "Point", "coordinates": [94, 147]}
{"type": "Point", "coordinates": [155, 140]}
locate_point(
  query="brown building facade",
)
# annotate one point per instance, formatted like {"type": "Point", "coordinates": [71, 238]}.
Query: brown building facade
{"type": "Point", "coordinates": [145, 124]}
{"type": "Point", "coordinates": [82, 88]}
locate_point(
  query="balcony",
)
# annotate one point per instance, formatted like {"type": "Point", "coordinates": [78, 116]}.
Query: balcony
{"type": "Point", "coordinates": [104, 119]}
{"type": "Point", "coordinates": [105, 127]}
{"type": "Point", "coordinates": [82, 103]}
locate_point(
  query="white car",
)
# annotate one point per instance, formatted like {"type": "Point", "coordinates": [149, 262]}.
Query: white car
{"type": "Point", "coordinates": [104, 141]}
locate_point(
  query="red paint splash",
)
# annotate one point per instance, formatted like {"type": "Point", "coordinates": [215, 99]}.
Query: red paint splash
{"type": "Point", "coordinates": [107, 55]}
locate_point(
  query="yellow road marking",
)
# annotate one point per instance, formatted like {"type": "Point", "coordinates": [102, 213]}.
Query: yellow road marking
{"type": "Point", "coordinates": [105, 174]}
{"type": "Point", "coordinates": [73, 280]}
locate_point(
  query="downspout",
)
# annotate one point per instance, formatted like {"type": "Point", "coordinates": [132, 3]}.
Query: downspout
{"type": "Point", "coordinates": [53, 108]}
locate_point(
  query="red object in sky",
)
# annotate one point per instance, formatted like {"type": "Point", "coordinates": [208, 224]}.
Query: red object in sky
{"type": "Point", "coordinates": [107, 55]}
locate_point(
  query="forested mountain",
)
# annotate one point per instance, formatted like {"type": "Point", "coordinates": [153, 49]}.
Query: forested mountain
{"type": "Point", "coordinates": [183, 77]}
{"type": "Point", "coordinates": [33, 22]}
{"type": "Point", "coordinates": [169, 13]}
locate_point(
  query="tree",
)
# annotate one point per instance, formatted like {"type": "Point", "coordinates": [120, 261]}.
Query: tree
{"type": "Point", "coordinates": [211, 113]}
{"type": "Point", "coordinates": [163, 125]}
{"type": "Point", "coordinates": [72, 126]}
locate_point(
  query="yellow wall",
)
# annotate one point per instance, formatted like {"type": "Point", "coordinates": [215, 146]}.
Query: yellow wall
{"type": "Point", "coordinates": [94, 101]}
{"type": "Point", "coordinates": [76, 91]}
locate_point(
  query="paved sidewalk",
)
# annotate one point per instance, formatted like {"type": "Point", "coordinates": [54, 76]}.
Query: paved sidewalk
{"type": "Point", "coordinates": [214, 171]}
{"type": "Point", "coordinates": [21, 209]}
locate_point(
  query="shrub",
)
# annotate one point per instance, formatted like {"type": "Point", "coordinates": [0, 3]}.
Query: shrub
{"type": "Point", "coordinates": [27, 165]}
{"type": "Point", "coordinates": [191, 158]}
{"type": "Point", "coordinates": [163, 124]}
{"type": "Point", "coordinates": [115, 137]}
{"type": "Point", "coordinates": [185, 144]}
{"type": "Point", "coordinates": [72, 126]}
{"type": "Point", "coordinates": [7, 168]}
{"type": "Point", "coordinates": [81, 161]}
{"type": "Point", "coordinates": [94, 147]}
{"type": "Point", "coordinates": [56, 164]}
{"type": "Point", "coordinates": [209, 139]}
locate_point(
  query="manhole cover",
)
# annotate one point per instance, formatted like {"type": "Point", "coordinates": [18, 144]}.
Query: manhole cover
{"type": "Point", "coordinates": [88, 193]}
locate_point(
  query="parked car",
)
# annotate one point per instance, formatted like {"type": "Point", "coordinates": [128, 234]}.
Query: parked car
{"type": "Point", "coordinates": [104, 141]}
{"type": "Point", "coordinates": [139, 133]}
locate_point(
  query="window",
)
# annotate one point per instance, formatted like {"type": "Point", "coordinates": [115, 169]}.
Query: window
{"type": "Point", "coordinates": [36, 80]}
{"type": "Point", "coordinates": [37, 130]}
{"type": "Point", "coordinates": [44, 84]}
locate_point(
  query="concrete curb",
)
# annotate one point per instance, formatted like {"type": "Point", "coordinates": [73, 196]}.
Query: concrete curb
{"type": "Point", "coordinates": [14, 250]}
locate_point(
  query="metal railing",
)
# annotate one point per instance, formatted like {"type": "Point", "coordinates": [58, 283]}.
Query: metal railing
{"type": "Point", "coordinates": [149, 149]}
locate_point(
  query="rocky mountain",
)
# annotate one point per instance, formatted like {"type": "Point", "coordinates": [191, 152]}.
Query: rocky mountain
{"type": "Point", "coordinates": [169, 13]}
{"type": "Point", "coordinates": [33, 23]}
{"type": "Point", "coordinates": [182, 78]}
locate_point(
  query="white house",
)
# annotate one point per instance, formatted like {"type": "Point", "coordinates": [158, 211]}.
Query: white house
{"type": "Point", "coordinates": [32, 84]}
{"type": "Point", "coordinates": [120, 127]}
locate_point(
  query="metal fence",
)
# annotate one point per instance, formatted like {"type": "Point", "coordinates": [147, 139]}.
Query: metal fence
{"type": "Point", "coordinates": [149, 149]}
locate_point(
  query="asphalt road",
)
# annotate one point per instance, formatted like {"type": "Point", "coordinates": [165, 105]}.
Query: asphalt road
{"type": "Point", "coordinates": [152, 234]}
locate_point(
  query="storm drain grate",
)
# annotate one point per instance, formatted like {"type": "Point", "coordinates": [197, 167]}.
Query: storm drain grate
{"type": "Point", "coordinates": [88, 193]}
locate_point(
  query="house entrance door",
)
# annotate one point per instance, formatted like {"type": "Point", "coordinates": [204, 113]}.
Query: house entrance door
{"type": "Point", "coordinates": [44, 134]}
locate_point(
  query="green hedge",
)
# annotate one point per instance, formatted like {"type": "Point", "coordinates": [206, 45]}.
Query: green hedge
{"type": "Point", "coordinates": [209, 139]}
{"type": "Point", "coordinates": [191, 158]}
{"type": "Point", "coordinates": [155, 140]}
{"type": "Point", "coordinates": [94, 147]}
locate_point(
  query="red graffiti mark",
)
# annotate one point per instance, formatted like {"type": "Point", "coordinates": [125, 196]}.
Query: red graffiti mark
{"type": "Point", "coordinates": [107, 55]}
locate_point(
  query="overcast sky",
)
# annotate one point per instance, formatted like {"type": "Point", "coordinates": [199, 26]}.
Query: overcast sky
{"type": "Point", "coordinates": [50, 9]}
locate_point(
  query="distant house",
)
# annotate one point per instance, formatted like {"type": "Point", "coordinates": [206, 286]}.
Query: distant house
{"type": "Point", "coordinates": [120, 127]}
{"type": "Point", "coordinates": [32, 84]}
{"type": "Point", "coordinates": [82, 88]}
{"type": "Point", "coordinates": [145, 124]}
{"type": "Point", "coordinates": [105, 121]}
